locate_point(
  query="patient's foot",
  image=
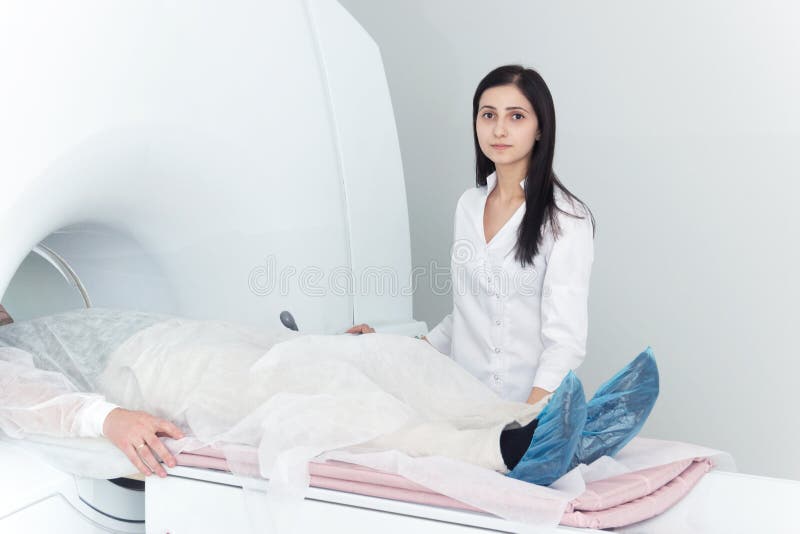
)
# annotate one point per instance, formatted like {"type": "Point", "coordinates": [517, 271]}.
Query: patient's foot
{"type": "Point", "coordinates": [556, 435]}
{"type": "Point", "coordinates": [618, 410]}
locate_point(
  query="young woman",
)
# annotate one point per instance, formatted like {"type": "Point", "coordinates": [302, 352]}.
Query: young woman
{"type": "Point", "coordinates": [522, 252]}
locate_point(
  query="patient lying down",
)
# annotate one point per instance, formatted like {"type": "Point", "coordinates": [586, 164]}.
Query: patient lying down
{"type": "Point", "coordinates": [282, 391]}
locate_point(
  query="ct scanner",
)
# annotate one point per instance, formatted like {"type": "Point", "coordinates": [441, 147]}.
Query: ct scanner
{"type": "Point", "coordinates": [216, 160]}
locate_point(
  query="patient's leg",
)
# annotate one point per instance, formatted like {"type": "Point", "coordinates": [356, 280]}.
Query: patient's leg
{"type": "Point", "coordinates": [497, 448]}
{"type": "Point", "coordinates": [514, 443]}
{"type": "Point", "coordinates": [474, 446]}
{"type": "Point", "coordinates": [478, 446]}
{"type": "Point", "coordinates": [539, 452]}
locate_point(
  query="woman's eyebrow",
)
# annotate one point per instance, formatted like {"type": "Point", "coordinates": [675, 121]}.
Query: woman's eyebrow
{"type": "Point", "coordinates": [507, 109]}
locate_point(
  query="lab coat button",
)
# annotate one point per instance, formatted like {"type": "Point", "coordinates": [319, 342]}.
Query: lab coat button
{"type": "Point", "coordinates": [497, 349]}
{"type": "Point", "coordinates": [498, 323]}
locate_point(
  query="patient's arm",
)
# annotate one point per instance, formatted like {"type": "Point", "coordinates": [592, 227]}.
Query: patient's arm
{"type": "Point", "coordinates": [34, 401]}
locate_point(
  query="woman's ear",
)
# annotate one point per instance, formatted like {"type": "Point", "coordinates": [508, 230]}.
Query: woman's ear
{"type": "Point", "coordinates": [538, 134]}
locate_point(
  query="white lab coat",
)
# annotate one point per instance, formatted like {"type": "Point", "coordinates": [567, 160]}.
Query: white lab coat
{"type": "Point", "coordinates": [517, 328]}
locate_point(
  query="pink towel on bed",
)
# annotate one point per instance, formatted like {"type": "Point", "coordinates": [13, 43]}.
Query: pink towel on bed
{"type": "Point", "coordinates": [645, 507]}
{"type": "Point", "coordinates": [613, 502]}
{"type": "Point", "coordinates": [603, 494]}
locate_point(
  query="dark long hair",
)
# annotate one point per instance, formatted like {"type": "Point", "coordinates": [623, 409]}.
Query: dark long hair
{"type": "Point", "coordinates": [540, 181]}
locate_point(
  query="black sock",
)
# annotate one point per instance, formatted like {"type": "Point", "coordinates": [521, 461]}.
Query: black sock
{"type": "Point", "coordinates": [515, 442]}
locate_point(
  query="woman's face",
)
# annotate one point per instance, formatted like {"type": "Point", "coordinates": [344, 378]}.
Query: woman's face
{"type": "Point", "coordinates": [506, 125]}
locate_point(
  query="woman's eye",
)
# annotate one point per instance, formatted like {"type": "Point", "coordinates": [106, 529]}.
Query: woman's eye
{"type": "Point", "coordinates": [518, 116]}
{"type": "Point", "coordinates": [488, 115]}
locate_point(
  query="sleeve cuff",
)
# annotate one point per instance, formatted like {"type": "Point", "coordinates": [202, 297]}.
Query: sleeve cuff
{"type": "Point", "coordinates": [93, 417]}
{"type": "Point", "coordinates": [549, 380]}
{"type": "Point", "coordinates": [439, 340]}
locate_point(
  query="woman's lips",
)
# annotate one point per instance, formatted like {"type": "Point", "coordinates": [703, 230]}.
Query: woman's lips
{"type": "Point", "coordinates": [501, 147]}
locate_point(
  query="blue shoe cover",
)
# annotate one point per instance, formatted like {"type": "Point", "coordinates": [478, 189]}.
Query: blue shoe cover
{"type": "Point", "coordinates": [619, 409]}
{"type": "Point", "coordinates": [556, 436]}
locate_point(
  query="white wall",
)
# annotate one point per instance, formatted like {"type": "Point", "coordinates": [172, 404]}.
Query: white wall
{"type": "Point", "coordinates": [679, 124]}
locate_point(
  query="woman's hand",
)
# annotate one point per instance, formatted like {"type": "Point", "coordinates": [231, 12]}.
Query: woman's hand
{"type": "Point", "coordinates": [136, 435]}
{"type": "Point", "coordinates": [537, 394]}
{"type": "Point", "coordinates": [361, 329]}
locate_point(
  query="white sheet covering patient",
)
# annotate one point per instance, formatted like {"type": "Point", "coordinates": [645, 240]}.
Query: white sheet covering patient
{"type": "Point", "coordinates": [226, 383]}
{"type": "Point", "coordinates": [388, 402]}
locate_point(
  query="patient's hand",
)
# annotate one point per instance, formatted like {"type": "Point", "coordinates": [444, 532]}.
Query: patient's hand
{"type": "Point", "coordinates": [136, 434]}
{"type": "Point", "coordinates": [361, 329]}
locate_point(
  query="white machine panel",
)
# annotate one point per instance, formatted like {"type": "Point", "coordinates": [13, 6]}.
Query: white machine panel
{"type": "Point", "coordinates": [204, 160]}
{"type": "Point", "coordinates": [38, 498]}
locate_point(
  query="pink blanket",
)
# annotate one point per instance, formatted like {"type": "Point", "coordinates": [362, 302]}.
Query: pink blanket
{"type": "Point", "coordinates": [626, 499]}
{"type": "Point", "coordinates": [613, 502]}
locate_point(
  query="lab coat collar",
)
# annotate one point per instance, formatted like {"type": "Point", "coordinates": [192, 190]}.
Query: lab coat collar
{"type": "Point", "coordinates": [504, 242]}
{"type": "Point", "coordinates": [491, 182]}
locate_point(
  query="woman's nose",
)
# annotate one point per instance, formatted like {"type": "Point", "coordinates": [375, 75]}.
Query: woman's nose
{"type": "Point", "coordinates": [500, 129]}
